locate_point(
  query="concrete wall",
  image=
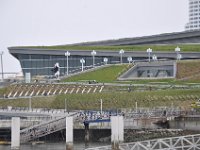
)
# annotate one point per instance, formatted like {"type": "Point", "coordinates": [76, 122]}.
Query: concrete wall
{"type": "Point", "coordinates": [185, 124]}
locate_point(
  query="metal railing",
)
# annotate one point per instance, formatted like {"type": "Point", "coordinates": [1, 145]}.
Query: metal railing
{"type": "Point", "coordinates": [43, 129]}
{"type": "Point", "coordinates": [190, 142]}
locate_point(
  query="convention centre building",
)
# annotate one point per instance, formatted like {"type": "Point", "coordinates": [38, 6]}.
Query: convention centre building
{"type": "Point", "coordinates": [40, 61]}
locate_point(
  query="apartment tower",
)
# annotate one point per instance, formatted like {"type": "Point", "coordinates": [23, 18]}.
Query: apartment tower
{"type": "Point", "coordinates": [194, 15]}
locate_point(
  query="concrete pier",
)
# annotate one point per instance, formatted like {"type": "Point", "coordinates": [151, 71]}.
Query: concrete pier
{"type": "Point", "coordinates": [69, 133]}
{"type": "Point", "coordinates": [15, 133]}
{"type": "Point", "coordinates": [117, 131]}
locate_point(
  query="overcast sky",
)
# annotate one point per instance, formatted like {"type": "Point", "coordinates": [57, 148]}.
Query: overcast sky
{"type": "Point", "coordinates": [53, 22]}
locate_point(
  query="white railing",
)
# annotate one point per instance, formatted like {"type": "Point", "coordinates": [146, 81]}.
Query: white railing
{"type": "Point", "coordinates": [43, 129]}
{"type": "Point", "coordinates": [190, 142]}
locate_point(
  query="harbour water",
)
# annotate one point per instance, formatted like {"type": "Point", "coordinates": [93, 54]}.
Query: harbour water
{"type": "Point", "coordinates": [54, 146]}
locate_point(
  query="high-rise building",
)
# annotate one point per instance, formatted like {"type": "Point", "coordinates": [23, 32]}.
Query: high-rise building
{"type": "Point", "coordinates": [194, 15]}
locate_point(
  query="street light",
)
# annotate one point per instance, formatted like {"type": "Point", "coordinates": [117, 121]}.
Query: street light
{"type": "Point", "coordinates": [105, 60]}
{"type": "Point", "coordinates": [154, 57]}
{"type": "Point", "coordinates": [82, 61]}
{"type": "Point", "coordinates": [129, 59]}
{"type": "Point", "coordinates": [149, 51]}
{"type": "Point", "coordinates": [67, 54]}
{"type": "Point", "coordinates": [179, 56]}
{"type": "Point", "coordinates": [65, 105]}
{"type": "Point", "coordinates": [93, 53]}
{"type": "Point", "coordinates": [177, 50]}
{"type": "Point", "coordinates": [30, 104]}
{"type": "Point", "coordinates": [2, 75]}
{"type": "Point", "coordinates": [121, 52]}
{"type": "Point", "coordinates": [101, 106]}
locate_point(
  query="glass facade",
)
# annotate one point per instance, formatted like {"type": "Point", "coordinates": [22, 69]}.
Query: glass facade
{"type": "Point", "coordinates": [38, 64]}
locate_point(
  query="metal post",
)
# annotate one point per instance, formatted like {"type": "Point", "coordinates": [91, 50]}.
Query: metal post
{"type": "Point", "coordinates": [67, 66]}
{"type": "Point", "coordinates": [67, 54]}
{"type": "Point", "coordinates": [149, 51]}
{"type": "Point", "coordinates": [105, 60]}
{"type": "Point", "coordinates": [93, 53]}
{"type": "Point", "coordinates": [93, 60]}
{"type": "Point", "coordinates": [121, 52]}
{"type": "Point", "coordinates": [82, 61]}
{"type": "Point", "coordinates": [30, 104]}
{"type": "Point", "coordinates": [136, 107]}
{"type": "Point", "coordinates": [65, 105]}
{"type": "Point", "coordinates": [177, 50]}
{"type": "Point", "coordinates": [82, 67]}
{"type": "Point", "coordinates": [121, 58]}
{"type": "Point", "coordinates": [149, 56]}
{"type": "Point", "coordinates": [101, 106]}
{"type": "Point", "coordinates": [2, 66]}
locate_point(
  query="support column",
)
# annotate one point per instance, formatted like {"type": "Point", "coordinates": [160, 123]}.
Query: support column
{"type": "Point", "coordinates": [69, 133]}
{"type": "Point", "coordinates": [117, 131]}
{"type": "Point", "coordinates": [87, 134]}
{"type": "Point", "coordinates": [15, 133]}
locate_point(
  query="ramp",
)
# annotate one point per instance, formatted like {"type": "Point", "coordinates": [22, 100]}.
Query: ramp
{"type": "Point", "coordinates": [43, 129]}
{"type": "Point", "coordinates": [146, 70]}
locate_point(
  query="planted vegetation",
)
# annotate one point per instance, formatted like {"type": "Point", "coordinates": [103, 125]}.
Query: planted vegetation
{"type": "Point", "coordinates": [169, 48]}
{"type": "Point", "coordinates": [107, 74]}
{"type": "Point", "coordinates": [112, 100]}
{"type": "Point", "coordinates": [188, 70]}
{"type": "Point", "coordinates": [120, 97]}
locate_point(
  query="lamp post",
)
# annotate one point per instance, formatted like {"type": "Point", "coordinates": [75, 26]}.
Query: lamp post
{"type": "Point", "coordinates": [105, 60]}
{"type": "Point", "coordinates": [65, 105]}
{"type": "Point", "coordinates": [129, 59]}
{"type": "Point", "coordinates": [67, 54]}
{"type": "Point", "coordinates": [101, 106]}
{"type": "Point", "coordinates": [149, 51]}
{"type": "Point", "coordinates": [2, 75]}
{"type": "Point", "coordinates": [177, 50]}
{"type": "Point", "coordinates": [82, 61]}
{"type": "Point", "coordinates": [121, 52]}
{"type": "Point", "coordinates": [154, 57]}
{"type": "Point", "coordinates": [30, 104]}
{"type": "Point", "coordinates": [93, 53]}
{"type": "Point", "coordinates": [179, 56]}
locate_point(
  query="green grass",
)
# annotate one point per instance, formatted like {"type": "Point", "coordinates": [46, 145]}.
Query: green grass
{"type": "Point", "coordinates": [37, 102]}
{"type": "Point", "coordinates": [107, 74]}
{"type": "Point", "coordinates": [119, 97]}
{"type": "Point", "coordinates": [169, 48]}
{"type": "Point", "coordinates": [112, 100]}
{"type": "Point", "coordinates": [110, 75]}
{"type": "Point", "coordinates": [3, 90]}
{"type": "Point", "coordinates": [188, 70]}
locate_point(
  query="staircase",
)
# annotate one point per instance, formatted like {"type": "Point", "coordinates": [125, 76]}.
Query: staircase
{"type": "Point", "coordinates": [43, 129]}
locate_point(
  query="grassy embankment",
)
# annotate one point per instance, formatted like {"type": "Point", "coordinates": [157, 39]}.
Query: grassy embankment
{"type": "Point", "coordinates": [105, 75]}
{"type": "Point", "coordinates": [112, 100]}
{"type": "Point", "coordinates": [118, 98]}
{"type": "Point", "coordinates": [187, 72]}
{"type": "Point", "coordinates": [169, 48]}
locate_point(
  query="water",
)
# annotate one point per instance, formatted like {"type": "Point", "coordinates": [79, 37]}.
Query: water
{"type": "Point", "coordinates": [53, 146]}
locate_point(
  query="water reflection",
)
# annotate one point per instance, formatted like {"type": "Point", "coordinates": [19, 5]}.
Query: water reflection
{"type": "Point", "coordinates": [54, 146]}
